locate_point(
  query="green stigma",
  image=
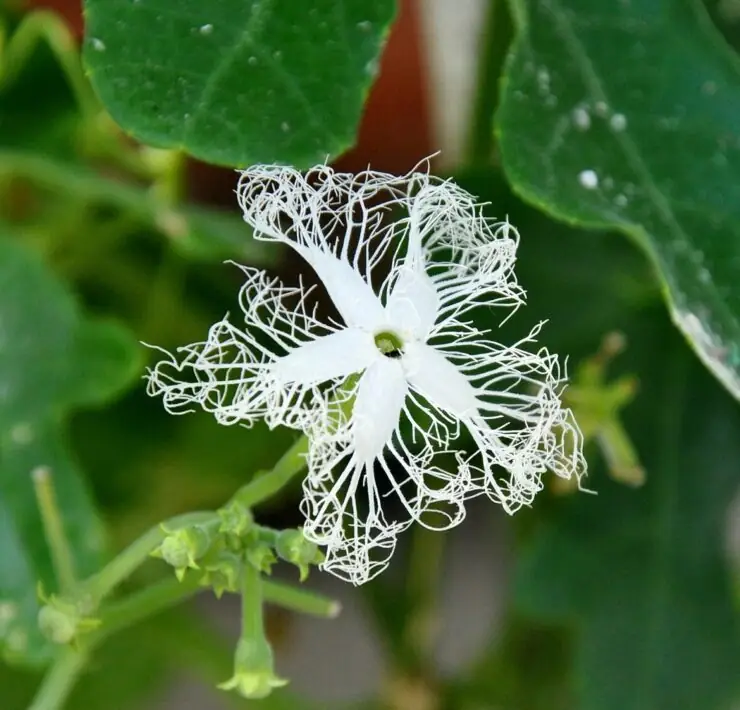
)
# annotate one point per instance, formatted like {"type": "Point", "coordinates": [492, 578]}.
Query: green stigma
{"type": "Point", "coordinates": [389, 344]}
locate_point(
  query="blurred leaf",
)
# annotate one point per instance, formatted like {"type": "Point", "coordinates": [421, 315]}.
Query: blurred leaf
{"type": "Point", "coordinates": [50, 359]}
{"type": "Point", "coordinates": [624, 114]}
{"type": "Point", "coordinates": [641, 573]}
{"type": "Point", "coordinates": [527, 668]}
{"type": "Point", "coordinates": [726, 16]}
{"type": "Point", "coordinates": [237, 81]}
{"type": "Point", "coordinates": [196, 231]}
{"type": "Point", "coordinates": [48, 120]}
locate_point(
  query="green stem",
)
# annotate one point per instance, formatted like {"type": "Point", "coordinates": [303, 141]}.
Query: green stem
{"type": "Point", "coordinates": [144, 603]}
{"type": "Point", "coordinates": [266, 485]}
{"type": "Point", "coordinates": [497, 35]}
{"type": "Point", "coordinates": [59, 681]}
{"type": "Point", "coordinates": [120, 567]}
{"type": "Point", "coordinates": [253, 622]}
{"type": "Point", "coordinates": [56, 537]}
{"type": "Point", "coordinates": [150, 601]}
{"type": "Point", "coordinates": [300, 600]}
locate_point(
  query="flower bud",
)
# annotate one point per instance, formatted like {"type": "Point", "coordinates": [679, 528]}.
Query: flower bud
{"type": "Point", "coordinates": [222, 571]}
{"type": "Point", "coordinates": [235, 518]}
{"type": "Point", "coordinates": [56, 625]}
{"type": "Point", "coordinates": [292, 546]}
{"type": "Point", "coordinates": [61, 622]}
{"type": "Point", "coordinates": [254, 675]}
{"type": "Point", "coordinates": [260, 556]}
{"type": "Point", "coordinates": [183, 548]}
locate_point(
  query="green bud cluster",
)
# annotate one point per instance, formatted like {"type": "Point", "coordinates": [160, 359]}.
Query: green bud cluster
{"type": "Point", "coordinates": [214, 552]}
{"type": "Point", "coordinates": [221, 569]}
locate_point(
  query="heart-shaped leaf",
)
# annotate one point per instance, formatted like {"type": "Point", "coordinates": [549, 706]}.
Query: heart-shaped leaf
{"type": "Point", "coordinates": [237, 81]}
{"type": "Point", "coordinates": [624, 114]}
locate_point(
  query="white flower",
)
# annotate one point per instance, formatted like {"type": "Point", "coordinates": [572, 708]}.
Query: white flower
{"type": "Point", "coordinates": [385, 392]}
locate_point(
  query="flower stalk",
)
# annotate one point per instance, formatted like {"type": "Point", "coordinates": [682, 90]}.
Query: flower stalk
{"type": "Point", "coordinates": [56, 537]}
{"type": "Point", "coordinates": [254, 674]}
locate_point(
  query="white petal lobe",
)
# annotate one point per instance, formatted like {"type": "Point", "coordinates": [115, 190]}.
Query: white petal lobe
{"type": "Point", "coordinates": [413, 303]}
{"type": "Point", "coordinates": [435, 378]}
{"type": "Point", "coordinates": [380, 397]}
{"type": "Point", "coordinates": [351, 294]}
{"type": "Point", "coordinates": [330, 357]}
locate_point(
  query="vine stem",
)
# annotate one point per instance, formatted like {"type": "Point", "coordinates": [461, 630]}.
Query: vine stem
{"type": "Point", "coordinates": [120, 567]}
{"type": "Point", "coordinates": [70, 663]}
{"type": "Point", "coordinates": [59, 681]}
{"type": "Point", "coordinates": [56, 537]}
{"type": "Point", "coordinates": [253, 622]}
{"type": "Point", "coordinates": [266, 485]}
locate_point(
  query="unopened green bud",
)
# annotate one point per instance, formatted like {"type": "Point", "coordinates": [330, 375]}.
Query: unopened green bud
{"type": "Point", "coordinates": [222, 572]}
{"type": "Point", "coordinates": [293, 547]}
{"type": "Point", "coordinates": [261, 557]}
{"type": "Point", "coordinates": [183, 548]}
{"type": "Point", "coordinates": [56, 625]}
{"type": "Point", "coordinates": [235, 518]}
{"type": "Point", "coordinates": [254, 674]}
{"type": "Point", "coordinates": [61, 622]}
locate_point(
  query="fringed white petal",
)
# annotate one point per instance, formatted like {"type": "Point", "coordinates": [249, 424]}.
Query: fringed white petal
{"type": "Point", "coordinates": [409, 257]}
{"type": "Point", "coordinates": [366, 484]}
{"type": "Point", "coordinates": [413, 303]}
{"type": "Point", "coordinates": [323, 215]}
{"type": "Point", "coordinates": [519, 425]}
{"type": "Point", "coordinates": [270, 366]}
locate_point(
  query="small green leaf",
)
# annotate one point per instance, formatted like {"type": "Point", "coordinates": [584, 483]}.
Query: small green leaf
{"type": "Point", "coordinates": [624, 114]}
{"type": "Point", "coordinates": [237, 81]}
{"type": "Point", "coordinates": [641, 573]}
{"type": "Point", "coordinates": [50, 360]}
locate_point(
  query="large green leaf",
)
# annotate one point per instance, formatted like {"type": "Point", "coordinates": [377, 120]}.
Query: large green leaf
{"type": "Point", "coordinates": [636, 576]}
{"type": "Point", "coordinates": [642, 573]}
{"type": "Point", "coordinates": [624, 114]}
{"type": "Point", "coordinates": [51, 359]}
{"type": "Point", "coordinates": [237, 81]}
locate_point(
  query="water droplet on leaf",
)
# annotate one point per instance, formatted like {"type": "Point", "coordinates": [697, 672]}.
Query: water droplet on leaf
{"type": "Point", "coordinates": [581, 118]}
{"type": "Point", "coordinates": [618, 122]}
{"type": "Point", "coordinates": [588, 179]}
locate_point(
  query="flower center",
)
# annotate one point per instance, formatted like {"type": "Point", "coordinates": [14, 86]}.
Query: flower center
{"type": "Point", "coordinates": [389, 344]}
